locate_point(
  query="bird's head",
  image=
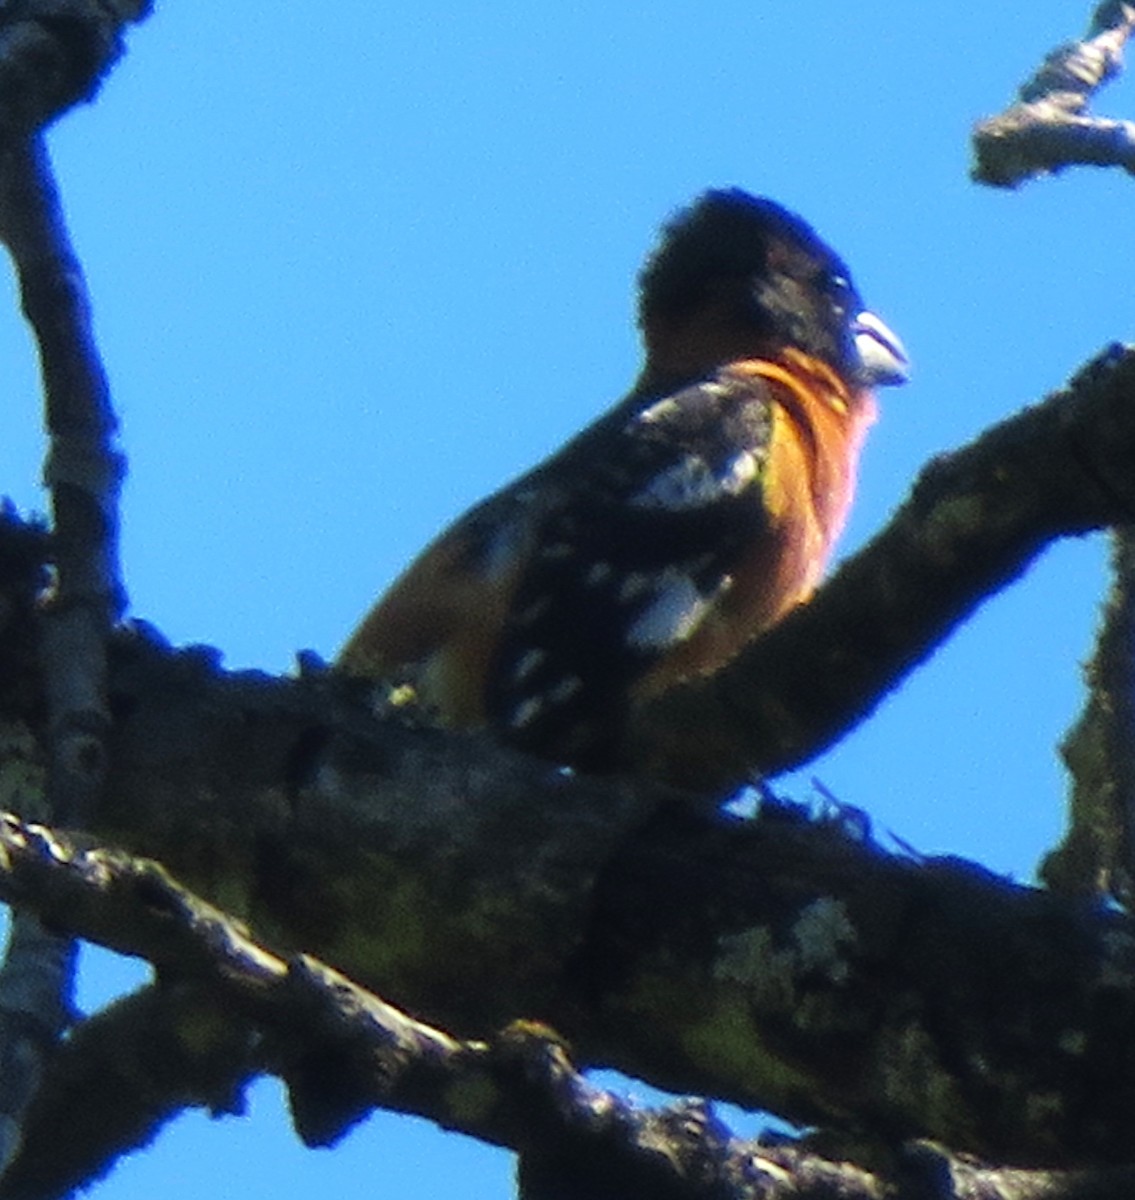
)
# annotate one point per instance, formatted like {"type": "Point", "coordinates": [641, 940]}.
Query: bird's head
{"type": "Point", "coordinates": [738, 276]}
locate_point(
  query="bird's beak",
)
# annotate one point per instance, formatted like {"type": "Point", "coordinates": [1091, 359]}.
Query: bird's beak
{"type": "Point", "coordinates": [882, 358]}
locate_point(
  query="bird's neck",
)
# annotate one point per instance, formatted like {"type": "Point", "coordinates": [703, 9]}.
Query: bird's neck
{"type": "Point", "coordinates": [679, 353]}
{"type": "Point", "coordinates": [792, 374]}
{"type": "Point", "coordinates": [818, 413]}
{"type": "Point", "coordinates": [828, 420]}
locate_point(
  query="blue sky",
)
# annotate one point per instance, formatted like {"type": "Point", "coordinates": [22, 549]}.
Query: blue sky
{"type": "Point", "coordinates": [352, 274]}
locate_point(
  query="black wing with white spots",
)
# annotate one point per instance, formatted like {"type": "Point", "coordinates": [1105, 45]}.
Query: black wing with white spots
{"type": "Point", "coordinates": [630, 559]}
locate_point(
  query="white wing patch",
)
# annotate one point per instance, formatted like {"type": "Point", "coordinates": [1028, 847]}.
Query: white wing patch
{"type": "Point", "coordinates": [669, 407]}
{"type": "Point", "coordinates": [530, 661]}
{"type": "Point", "coordinates": [676, 611]}
{"type": "Point", "coordinates": [598, 573]}
{"type": "Point", "coordinates": [526, 712]}
{"type": "Point", "coordinates": [634, 585]}
{"type": "Point", "coordinates": [661, 410]}
{"type": "Point", "coordinates": [692, 483]}
{"type": "Point", "coordinates": [508, 542]}
{"type": "Point", "coordinates": [739, 472]}
{"type": "Point", "coordinates": [500, 555]}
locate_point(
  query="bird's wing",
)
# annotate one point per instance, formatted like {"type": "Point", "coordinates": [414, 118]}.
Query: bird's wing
{"type": "Point", "coordinates": [655, 529]}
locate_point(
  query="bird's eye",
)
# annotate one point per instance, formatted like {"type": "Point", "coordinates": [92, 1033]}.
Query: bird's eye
{"type": "Point", "coordinates": [839, 291]}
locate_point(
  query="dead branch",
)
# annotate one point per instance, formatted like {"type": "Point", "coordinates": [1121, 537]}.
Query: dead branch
{"type": "Point", "coordinates": [1049, 128]}
{"type": "Point", "coordinates": [342, 1051]}
{"type": "Point", "coordinates": [84, 473]}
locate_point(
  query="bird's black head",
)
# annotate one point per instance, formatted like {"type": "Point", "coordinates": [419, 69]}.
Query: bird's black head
{"type": "Point", "coordinates": [761, 274]}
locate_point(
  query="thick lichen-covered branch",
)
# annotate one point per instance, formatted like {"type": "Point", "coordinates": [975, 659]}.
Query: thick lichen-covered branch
{"type": "Point", "coordinates": [234, 1007]}
{"type": "Point", "coordinates": [779, 963]}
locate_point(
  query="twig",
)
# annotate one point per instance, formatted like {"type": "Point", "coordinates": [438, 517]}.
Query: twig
{"type": "Point", "coordinates": [53, 54]}
{"type": "Point", "coordinates": [84, 473]}
{"type": "Point", "coordinates": [1049, 128]}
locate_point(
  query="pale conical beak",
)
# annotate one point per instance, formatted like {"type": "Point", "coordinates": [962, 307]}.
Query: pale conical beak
{"type": "Point", "coordinates": [882, 358]}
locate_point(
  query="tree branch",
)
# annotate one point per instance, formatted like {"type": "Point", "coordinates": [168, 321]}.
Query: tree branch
{"type": "Point", "coordinates": [55, 53]}
{"type": "Point", "coordinates": [779, 963]}
{"type": "Point", "coordinates": [84, 473]}
{"type": "Point", "coordinates": [1048, 129]}
{"type": "Point", "coordinates": [121, 1075]}
{"type": "Point", "coordinates": [343, 1051]}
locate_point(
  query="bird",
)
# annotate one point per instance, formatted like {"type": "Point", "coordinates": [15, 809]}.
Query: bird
{"type": "Point", "coordinates": [674, 530]}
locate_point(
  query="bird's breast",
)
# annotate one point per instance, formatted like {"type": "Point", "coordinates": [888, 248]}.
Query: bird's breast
{"type": "Point", "coordinates": [800, 501]}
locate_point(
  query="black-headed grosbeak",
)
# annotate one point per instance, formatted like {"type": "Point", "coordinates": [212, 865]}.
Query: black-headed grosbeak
{"type": "Point", "coordinates": [675, 529]}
